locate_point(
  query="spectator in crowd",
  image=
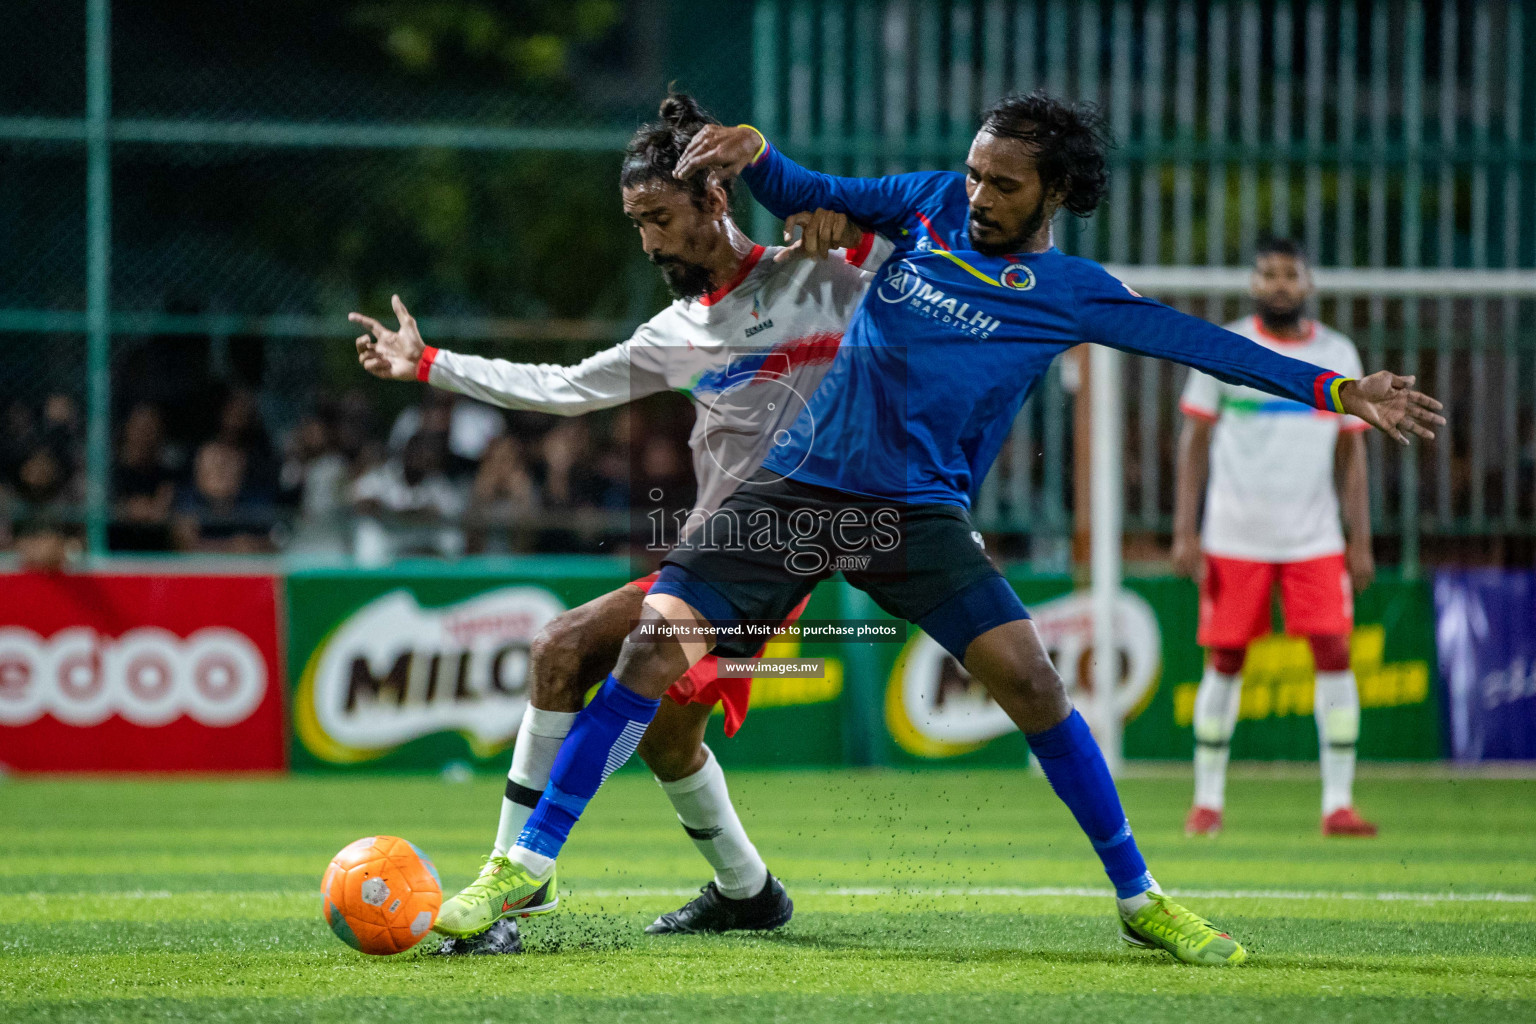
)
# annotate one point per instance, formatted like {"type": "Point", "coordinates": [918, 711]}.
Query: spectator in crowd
{"type": "Point", "coordinates": [46, 548]}
{"type": "Point", "coordinates": [16, 440]}
{"type": "Point", "coordinates": [48, 495]}
{"type": "Point", "coordinates": [503, 499]}
{"type": "Point", "coordinates": [353, 425]}
{"type": "Point", "coordinates": [314, 478]}
{"type": "Point", "coordinates": [241, 428]}
{"type": "Point", "coordinates": [456, 475]}
{"type": "Point", "coordinates": [568, 484]}
{"type": "Point", "coordinates": [561, 448]}
{"type": "Point", "coordinates": [61, 423]}
{"type": "Point", "coordinates": [143, 485]}
{"type": "Point", "coordinates": [408, 505]}
{"type": "Point", "coordinates": [46, 477]}
{"type": "Point", "coordinates": [612, 465]}
{"type": "Point", "coordinates": [217, 513]}
{"type": "Point", "coordinates": [569, 476]}
{"type": "Point", "coordinates": [470, 425]}
{"type": "Point", "coordinates": [662, 468]}
{"type": "Point", "coordinates": [610, 470]}
{"type": "Point", "coordinates": [41, 485]}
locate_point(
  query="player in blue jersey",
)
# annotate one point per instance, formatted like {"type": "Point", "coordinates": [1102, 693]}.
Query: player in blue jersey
{"type": "Point", "coordinates": [874, 478]}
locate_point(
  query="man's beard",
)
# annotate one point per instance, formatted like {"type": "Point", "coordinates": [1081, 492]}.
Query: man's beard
{"type": "Point", "coordinates": [685, 280]}
{"type": "Point", "coordinates": [1027, 230]}
{"type": "Point", "coordinates": [1279, 317]}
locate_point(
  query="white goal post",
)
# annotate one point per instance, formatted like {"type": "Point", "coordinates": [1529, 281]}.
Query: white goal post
{"type": "Point", "coordinates": [1175, 283]}
{"type": "Point", "coordinates": [1424, 282]}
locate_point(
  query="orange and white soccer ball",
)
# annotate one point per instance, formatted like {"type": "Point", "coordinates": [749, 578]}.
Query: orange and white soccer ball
{"type": "Point", "coordinates": [381, 895]}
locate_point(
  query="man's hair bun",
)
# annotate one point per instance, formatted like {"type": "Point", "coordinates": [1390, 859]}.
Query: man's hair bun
{"type": "Point", "coordinates": [682, 111]}
{"type": "Point", "coordinates": [655, 149]}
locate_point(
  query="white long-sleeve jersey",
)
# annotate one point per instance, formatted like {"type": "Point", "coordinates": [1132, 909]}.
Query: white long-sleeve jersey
{"type": "Point", "coordinates": [749, 354]}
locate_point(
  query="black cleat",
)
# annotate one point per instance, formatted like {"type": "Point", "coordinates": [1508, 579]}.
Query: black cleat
{"type": "Point", "coordinates": [501, 937]}
{"type": "Point", "coordinates": [712, 912]}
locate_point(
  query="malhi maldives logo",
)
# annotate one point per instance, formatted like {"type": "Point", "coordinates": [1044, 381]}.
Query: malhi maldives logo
{"type": "Point", "coordinates": [394, 671]}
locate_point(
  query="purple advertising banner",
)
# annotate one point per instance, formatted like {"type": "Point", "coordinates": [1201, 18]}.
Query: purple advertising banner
{"type": "Point", "coordinates": [1486, 632]}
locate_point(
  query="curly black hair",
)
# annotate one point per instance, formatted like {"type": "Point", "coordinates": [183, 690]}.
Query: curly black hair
{"type": "Point", "coordinates": [1070, 141]}
{"type": "Point", "coordinates": [653, 152]}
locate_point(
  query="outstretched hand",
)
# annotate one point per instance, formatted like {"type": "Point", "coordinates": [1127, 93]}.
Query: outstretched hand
{"type": "Point", "coordinates": [719, 148]}
{"type": "Point", "coordinates": [1389, 403]}
{"type": "Point", "coordinates": [392, 355]}
{"type": "Point", "coordinates": [820, 232]}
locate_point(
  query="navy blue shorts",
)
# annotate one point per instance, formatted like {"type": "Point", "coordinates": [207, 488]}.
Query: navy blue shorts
{"type": "Point", "coordinates": [773, 540]}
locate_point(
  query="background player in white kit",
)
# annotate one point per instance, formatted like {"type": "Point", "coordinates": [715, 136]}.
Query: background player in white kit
{"type": "Point", "coordinates": [748, 338]}
{"type": "Point", "coordinates": [1277, 470]}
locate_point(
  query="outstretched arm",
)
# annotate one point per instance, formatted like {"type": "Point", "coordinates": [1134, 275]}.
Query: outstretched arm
{"type": "Point", "coordinates": [786, 188]}
{"type": "Point", "coordinates": [1111, 314]}
{"type": "Point", "coordinates": [601, 381]}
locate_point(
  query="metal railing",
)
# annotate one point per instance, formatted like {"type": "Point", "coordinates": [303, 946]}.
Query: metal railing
{"type": "Point", "coordinates": [97, 138]}
{"type": "Point", "coordinates": [1391, 136]}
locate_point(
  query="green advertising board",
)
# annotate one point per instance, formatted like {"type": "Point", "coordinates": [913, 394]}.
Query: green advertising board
{"type": "Point", "coordinates": [416, 667]}
{"type": "Point", "coordinates": [413, 668]}
{"type": "Point", "coordinates": [933, 712]}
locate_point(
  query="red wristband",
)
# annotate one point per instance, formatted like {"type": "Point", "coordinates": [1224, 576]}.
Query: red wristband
{"type": "Point", "coordinates": [424, 365]}
{"type": "Point", "coordinates": [858, 255]}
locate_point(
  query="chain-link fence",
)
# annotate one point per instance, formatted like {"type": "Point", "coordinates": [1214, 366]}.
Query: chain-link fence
{"type": "Point", "coordinates": [190, 205]}
{"type": "Point", "coordinates": [1381, 133]}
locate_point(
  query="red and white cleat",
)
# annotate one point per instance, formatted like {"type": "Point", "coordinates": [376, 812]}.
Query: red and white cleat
{"type": "Point", "coordinates": [1202, 821]}
{"type": "Point", "coordinates": [1347, 822]}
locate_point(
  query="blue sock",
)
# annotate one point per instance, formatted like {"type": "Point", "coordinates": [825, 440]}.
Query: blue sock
{"type": "Point", "coordinates": [1078, 774]}
{"type": "Point", "coordinates": [604, 736]}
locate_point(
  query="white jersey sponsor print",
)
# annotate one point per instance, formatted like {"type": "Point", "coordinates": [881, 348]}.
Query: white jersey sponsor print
{"type": "Point", "coordinates": [1271, 496]}
{"type": "Point", "coordinates": [749, 355]}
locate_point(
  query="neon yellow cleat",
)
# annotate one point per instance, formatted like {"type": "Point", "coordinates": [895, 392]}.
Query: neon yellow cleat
{"type": "Point", "coordinates": [1163, 924]}
{"type": "Point", "coordinates": [504, 889]}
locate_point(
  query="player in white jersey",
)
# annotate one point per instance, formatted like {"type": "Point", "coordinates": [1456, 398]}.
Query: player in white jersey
{"type": "Point", "coordinates": [1272, 517]}
{"type": "Point", "coordinates": [748, 338]}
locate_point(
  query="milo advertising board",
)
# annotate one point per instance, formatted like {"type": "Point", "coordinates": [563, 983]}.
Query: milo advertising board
{"type": "Point", "coordinates": [414, 670]}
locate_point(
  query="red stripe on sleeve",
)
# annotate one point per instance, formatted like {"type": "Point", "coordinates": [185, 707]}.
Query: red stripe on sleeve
{"type": "Point", "coordinates": [1320, 390]}
{"type": "Point", "coordinates": [858, 255]}
{"type": "Point", "coordinates": [424, 365]}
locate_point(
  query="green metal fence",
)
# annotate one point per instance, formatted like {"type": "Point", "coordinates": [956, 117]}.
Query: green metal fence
{"type": "Point", "coordinates": [1389, 134]}
{"type": "Point", "coordinates": [167, 174]}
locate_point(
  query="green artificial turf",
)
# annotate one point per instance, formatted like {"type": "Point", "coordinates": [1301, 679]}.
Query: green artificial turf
{"type": "Point", "coordinates": [937, 895]}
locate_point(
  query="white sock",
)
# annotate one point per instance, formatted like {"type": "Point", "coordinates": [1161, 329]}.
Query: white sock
{"type": "Point", "coordinates": [704, 808]}
{"type": "Point", "coordinates": [538, 741]}
{"type": "Point", "coordinates": [1216, 706]}
{"type": "Point", "coordinates": [536, 863]}
{"type": "Point", "coordinates": [1336, 706]}
{"type": "Point", "coordinates": [1130, 905]}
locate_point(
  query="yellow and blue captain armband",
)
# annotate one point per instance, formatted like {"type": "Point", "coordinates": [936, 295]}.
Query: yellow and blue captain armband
{"type": "Point", "coordinates": [761, 149]}
{"type": "Point", "coordinates": [1326, 391]}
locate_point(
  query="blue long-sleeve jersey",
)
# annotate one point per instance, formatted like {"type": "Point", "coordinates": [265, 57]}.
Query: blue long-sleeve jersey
{"type": "Point", "coordinates": [948, 343]}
